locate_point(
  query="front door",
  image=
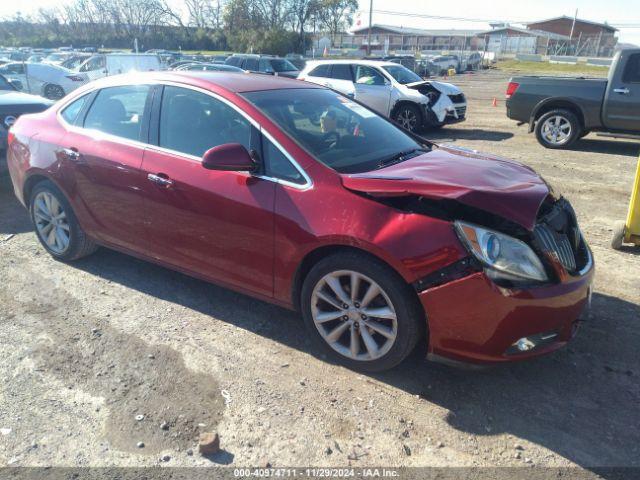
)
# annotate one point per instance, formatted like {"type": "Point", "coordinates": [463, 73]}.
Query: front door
{"type": "Point", "coordinates": [103, 160]}
{"type": "Point", "coordinates": [372, 89]}
{"type": "Point", "coordinates": [218, 224]}
{"type": "Point", "coordinates": [622, 102]}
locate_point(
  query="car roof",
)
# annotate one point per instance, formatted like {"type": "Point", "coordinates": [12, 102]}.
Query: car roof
{"type": "Point", "coordinates": [370, 63]}
{"type": "Point", "coordinates": [230, 81]}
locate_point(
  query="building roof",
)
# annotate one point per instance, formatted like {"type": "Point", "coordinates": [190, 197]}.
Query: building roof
{"type": "Point", "coordinates": [525, 31]}
{"type": "Point", "coordinates": [400, 30]}
{"type": "Point", "coordinates": [578, 20]}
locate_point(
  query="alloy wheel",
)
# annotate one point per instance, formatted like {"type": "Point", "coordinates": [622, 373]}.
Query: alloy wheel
{"type": "Point", "coordinates": [51, 222]}
{"type": "Point", "coordinates": [354, 315]}
{"type": "Point", "coordinates": [407, 119]}
{"type": "Point", "coordinates": [556, 130]}
{"type": "Point", "coordinates": [53, 92]}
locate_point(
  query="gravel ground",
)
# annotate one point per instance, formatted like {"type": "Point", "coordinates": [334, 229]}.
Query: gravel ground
{"type": "Point", "coordinates": [110, 351]}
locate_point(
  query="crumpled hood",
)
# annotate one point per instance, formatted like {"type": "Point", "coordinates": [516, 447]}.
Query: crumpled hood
{"type": "Point", "coordinates": [443, 87]}
{"type": "Point", "coordinates": [499, 186]}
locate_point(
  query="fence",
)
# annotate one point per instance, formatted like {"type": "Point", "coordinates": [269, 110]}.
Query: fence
{"type": "Point", "coordinates": [537, 43]}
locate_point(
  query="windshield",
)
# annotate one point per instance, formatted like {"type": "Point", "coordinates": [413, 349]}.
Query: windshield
{"type": "Point", "coordinates": [282, 65]}
{"type": "Point", "coordinates": [56, 56]}
{"type": "Point", "coordinates": [402, 74]}
{"type": "Point", "coordinates": [337, 131]}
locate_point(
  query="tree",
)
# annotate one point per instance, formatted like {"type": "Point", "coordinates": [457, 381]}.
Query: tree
{"type": "Point", "coordinates": [303, 11]}
{"type": "Point", "coordinates": [337, 15]}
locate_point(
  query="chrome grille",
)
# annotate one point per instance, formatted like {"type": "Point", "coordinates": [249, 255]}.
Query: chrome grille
{"type": "Point", "coordinates": [557, 244]}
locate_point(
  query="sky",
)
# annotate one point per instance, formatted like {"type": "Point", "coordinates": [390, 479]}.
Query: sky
{"type": "Point", "coordinates": [613, 11]}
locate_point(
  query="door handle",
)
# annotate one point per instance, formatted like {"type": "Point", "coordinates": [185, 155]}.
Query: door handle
{"type": "Point", "coordinates": [71, 153]}
{"type": "Point", "coordinates": [161, 180]}
{"type": "Point", "coordinates": [621, 91]}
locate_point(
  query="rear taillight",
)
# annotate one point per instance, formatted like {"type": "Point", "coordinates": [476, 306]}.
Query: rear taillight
{"type": "Point", "coordinates": [10, 137]}
{"type": "Point", "coordinates": [511, 88]}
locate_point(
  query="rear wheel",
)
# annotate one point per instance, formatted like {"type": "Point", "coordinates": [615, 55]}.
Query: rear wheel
{"type": "Point", "coordinates": [558, 129]}
{"type": "Point", "coordinates": [361, 312]}
{"type": "Point", "coordinates": [53, 92]}
{"type": "Point", "coordinates": [408, 116]}
{"type": "Point", "coordinates": [56, 225]}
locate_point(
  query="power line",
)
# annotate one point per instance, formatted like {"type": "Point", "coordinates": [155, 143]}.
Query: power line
{"type": "Point", "coordinates": [476, 20]}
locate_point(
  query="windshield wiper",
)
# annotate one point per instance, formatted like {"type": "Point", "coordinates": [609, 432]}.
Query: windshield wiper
{"type": "Point", "coordinates": [400, 157]}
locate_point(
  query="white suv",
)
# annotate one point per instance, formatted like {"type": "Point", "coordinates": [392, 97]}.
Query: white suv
{"type": "Point", "coordinates": [392, 90]}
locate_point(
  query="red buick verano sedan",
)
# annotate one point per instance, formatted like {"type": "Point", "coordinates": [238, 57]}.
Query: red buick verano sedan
{"type": "Point", "coordinates": [292, 193]}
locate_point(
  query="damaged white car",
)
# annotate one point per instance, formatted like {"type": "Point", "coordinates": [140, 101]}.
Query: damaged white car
{"type": "Point", "coordinates": [392, 90]}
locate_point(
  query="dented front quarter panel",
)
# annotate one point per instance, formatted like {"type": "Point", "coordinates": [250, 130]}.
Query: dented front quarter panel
{"type": "Point", "coordinates": [414, 245]}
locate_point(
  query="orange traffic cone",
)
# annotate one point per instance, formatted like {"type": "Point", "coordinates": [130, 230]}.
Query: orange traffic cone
{"type": "Point", "coordinates": [495, 102]}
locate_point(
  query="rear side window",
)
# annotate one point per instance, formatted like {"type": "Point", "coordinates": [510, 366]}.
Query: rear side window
{"type": "Point", "coordinates": [210, 122]}
{"type": "Point", "coordinates": [251, 64]}
{"type": "Point", "coordinates": [341, 71]}
{"type": "Point", "coordinates": [632, 70]}
{"type": "Point", "coordinates": [71, 111]}
{"type": "Point", "coordinates": [265, 65]}
{"type": "Point", "coordinates": [118, 111]}
{"type": "Point", "coordinates": [320, 71]}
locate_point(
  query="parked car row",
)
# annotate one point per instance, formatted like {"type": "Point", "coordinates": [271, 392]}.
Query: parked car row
{"type": "Point", "coordinates": [303, 196]}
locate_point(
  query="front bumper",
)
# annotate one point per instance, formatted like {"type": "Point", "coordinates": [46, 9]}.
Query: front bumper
{"type": "Point", "coordinates": [472, 320]}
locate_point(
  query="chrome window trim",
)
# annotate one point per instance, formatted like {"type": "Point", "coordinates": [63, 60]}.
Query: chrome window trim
{"type": "Point", "coordinates": [305, 186]}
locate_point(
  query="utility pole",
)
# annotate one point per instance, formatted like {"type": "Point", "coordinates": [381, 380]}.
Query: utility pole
{"type": "Point", "coordinates": [369, 34]}
{"type": "Point", "coordinates": [573, 26]}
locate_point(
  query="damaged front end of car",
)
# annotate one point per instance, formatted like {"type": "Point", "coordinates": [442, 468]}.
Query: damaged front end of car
{"type": "Point", "coordinates": [445, 103]}
{"type": "Point", "coordinates": [528, 273]}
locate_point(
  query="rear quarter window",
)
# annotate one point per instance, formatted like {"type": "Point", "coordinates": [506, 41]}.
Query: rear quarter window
{"type": "Point", "coordinates": [70, 112]}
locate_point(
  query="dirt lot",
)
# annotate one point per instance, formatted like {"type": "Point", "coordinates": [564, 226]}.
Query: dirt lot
{"type": "Point", "coordinates": [88, 347]}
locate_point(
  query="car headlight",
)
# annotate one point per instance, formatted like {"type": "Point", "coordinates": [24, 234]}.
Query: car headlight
{"type": "Point", "coordinates": [501, 252]}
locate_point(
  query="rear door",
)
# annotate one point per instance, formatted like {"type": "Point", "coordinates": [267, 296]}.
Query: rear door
{"type": "Point", "coordinates": [372, 89]}
{"type": "Point", "coordinates": [103, 159]}
{"type": "Point", "coordinates": [216, 223]}
{"type": "Point", "coordinates": [621, 110]}
{"type": "Point", "coordinates": [342, 79]}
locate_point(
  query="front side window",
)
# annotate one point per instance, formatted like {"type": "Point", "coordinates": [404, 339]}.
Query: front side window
{"type": "Point", "coordinates": [338, 132]}
{"type": "Point", "coordinates": [118, 111]}
{"type": "Point", "coordinates": [193, 122]}
{"type": "Point", "coordinates": [366, 75]}
{"type": "Point", "coordinates": [282, 65]}
{"type": "Point", "coordinates": [265, 66]}
{"type": "Point", "coordinates": [632, 70]}
{"type": "Point", "coordinates": [251, 64]}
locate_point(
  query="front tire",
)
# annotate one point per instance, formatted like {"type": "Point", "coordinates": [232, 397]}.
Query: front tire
{"type": "Point", "coordinates": [361, 312]}
{"type": "Point", "coordinates": [56, 225]}
{"type": "Point", "coordinates": [408, 116]}
{"type": "Point", "coordinates": [558, 129]}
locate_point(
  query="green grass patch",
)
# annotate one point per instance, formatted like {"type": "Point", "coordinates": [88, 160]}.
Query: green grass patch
{"type": "Point", "coordinates": [546, 68]}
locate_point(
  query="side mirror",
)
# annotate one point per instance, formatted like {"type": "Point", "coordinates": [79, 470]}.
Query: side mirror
{"type": "Point", "coordinates": [228, 157]}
